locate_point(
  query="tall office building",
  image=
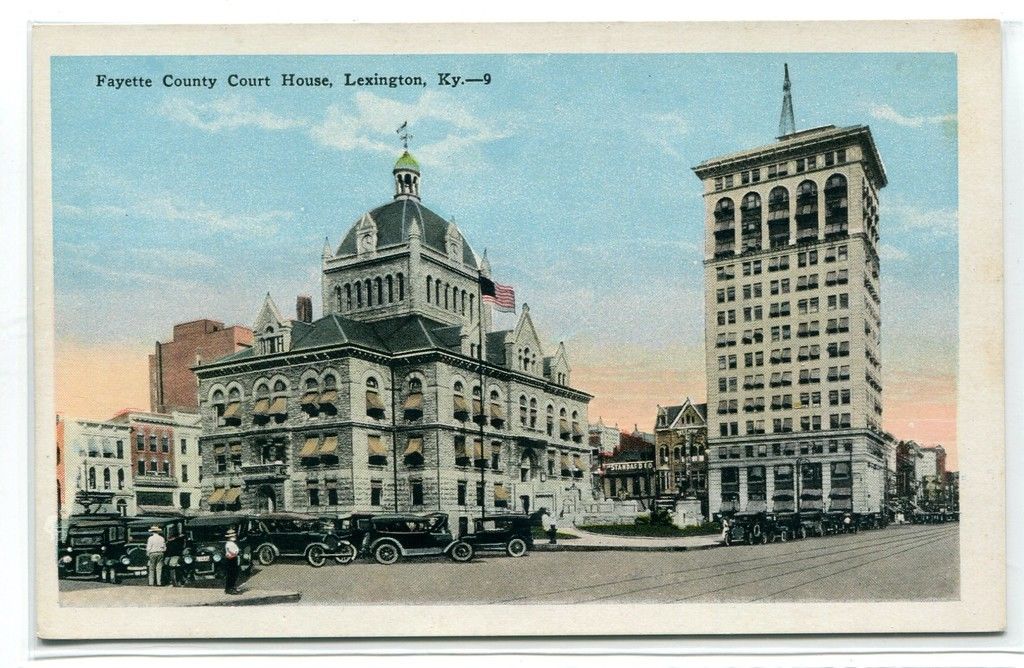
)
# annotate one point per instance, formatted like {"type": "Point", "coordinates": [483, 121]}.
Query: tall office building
{"type": "Point", "coordinates": [793, 328]}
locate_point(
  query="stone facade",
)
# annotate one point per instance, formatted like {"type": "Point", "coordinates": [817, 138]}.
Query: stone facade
{"type": "Point", "coordinates": [97, 461]}
{"type": "Point", "coordinates": [377, 406]}
{"type": "Point", "coordinates": [680, 440]}
{"type": "Point", "coordinates": [793, 328]}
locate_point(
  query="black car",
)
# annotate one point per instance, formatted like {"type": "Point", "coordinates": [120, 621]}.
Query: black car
{"type": "Point", "coordinates": [787, 525]}
{"type": "Point", "coordinates": [94, 546]}
{"type": "Point", "coordinates": [747, 527]}
{"type": "Point", "coordinates": [839, 521]}
{"type": "Point", "coordinates": [204, 552]}
{"type": "Point", "coordinates": [296, 535]}
{"type": "Point", "coordinates": [135, 562]}
{"type": "Point", "coordinates": [393, 536]}
{"type": "Point", "coordinates": [352, 528]}
{"type": "Point", "coordinates": [510, 534]}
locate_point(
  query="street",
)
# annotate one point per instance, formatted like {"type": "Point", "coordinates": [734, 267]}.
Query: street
{"type": "Point", "coordinates": [910, 562]}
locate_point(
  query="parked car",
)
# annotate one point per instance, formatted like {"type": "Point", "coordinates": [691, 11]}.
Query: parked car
{"type": "Point", "coordinates": [352, 528]}
{"type": "Point", "coordinates": [840, 521]}
{"type": "Point", "coordinates": [307, 536]}
{"type": "Point", "coordinates": [393, 536]}
{"type": "Point", "coordinates": [205, 549]}
{"type": "Point", "coordinates": [786, 525]}
{"type": "Point", "coordinates": [510, 534]}
{"type": "Point", "coordinates": [135, 562]}
{"type": "Point", "coordinates": [94, 546]}
{"type": "Point", "coordinates": [747, 527]}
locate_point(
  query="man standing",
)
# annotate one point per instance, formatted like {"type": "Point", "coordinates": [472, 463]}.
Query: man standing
{"type": "Point", "coordinates": [548, 523]}
{"type": "Point", "coordinates": [155, 548]}
{"type": "Point", "coordinates": [230, 563]}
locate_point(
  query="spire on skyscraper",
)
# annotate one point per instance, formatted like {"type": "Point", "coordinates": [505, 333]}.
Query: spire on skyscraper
{"type": "Point", "coordinates": [787, 125]}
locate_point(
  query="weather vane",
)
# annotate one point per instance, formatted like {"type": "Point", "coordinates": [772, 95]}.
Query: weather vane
{"type": "Point", "coordinates": [403, 134]}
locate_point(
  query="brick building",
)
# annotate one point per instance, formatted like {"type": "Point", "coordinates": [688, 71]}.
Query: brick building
{"type": "Point", "coordinates": [172, 384]}
{"type": "Point", "coordinates": [628, 473]}
{"type": "Point", "coordinates": [680, 434]}
{"type": "Point", "coordinates": [402, 396]}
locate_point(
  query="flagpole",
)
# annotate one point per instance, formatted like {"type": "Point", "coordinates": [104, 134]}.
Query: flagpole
{"type": "Point", "coordinates": [480, 357]}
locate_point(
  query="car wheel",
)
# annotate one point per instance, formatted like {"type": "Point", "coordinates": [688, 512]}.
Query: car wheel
{"type": "Point", "coordinates": [386, 554]}
{"type": "Point", "coordinates": [764, 538]}
{"type": "Point", "coordinates": [783, 536]}
{"type": "Point", "coordinates": [315, 556]}
{"type": "Point", "coordinates": [112, 575]}
{"type": "Point", "coordinates": [461, 552]}
{"type": "Point", "coordinates": [347, 552]}
{"type": "Point", "coordinates": [103, 575]}
{"type": "Point", "coordinates": [265, 555]}
{"type": "Point", "coordinates": [516, 547]}
{"type": "Point", "coordinates": [803, 532]}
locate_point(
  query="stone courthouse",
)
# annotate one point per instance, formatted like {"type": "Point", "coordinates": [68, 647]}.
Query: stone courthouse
{"type": "Point", "coordinates": [401, 397]}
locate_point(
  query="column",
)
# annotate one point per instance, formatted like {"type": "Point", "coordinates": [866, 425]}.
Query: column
{"type": "Point", "coordinates": [826, 483]}
{"type": "Point", "coordinates": [769, 486]}
{"type": "Point", "coordinates": [743, 488]}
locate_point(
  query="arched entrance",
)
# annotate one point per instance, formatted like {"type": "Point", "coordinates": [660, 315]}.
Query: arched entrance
{"type": "Point", "coordinates": [266, 500]}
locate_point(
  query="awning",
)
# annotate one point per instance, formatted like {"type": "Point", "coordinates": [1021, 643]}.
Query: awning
{"type": "Point", "coordinates": [478, 449]}
{"type": "Point", "coordinates": [235, 448]}
{"type": "Point", "coordinates": [413, 402]}
{"type": "Point", "coordinates": [577, 461]}
{"type": "Point", "coordinates": [461, 407]}
{"type": "Point", "coordinates": [460, 448]}
{"type": "Point", "coordinates": [220, 449]}
{"type": "Point", "coordinates": [279, 406]}
{"type": "Point", "coordinates": [217, 496]}
{"type": "Point", "coordinates": [576, 430]}
{"type": "Point", "coordinates": [497, 413]}
{"type": "Point", "coordinates": [309, 447]}
{"type": "Point", "coordinates": [231, 495]}
{"type": "Point", "coordinates": [309, 398]}
{"type": "Point", "coordinates": [478, 407]}
{"type": "Point", "coordinates": [415, 447]}
{"type": "Point", "coordinates": [329, 446]}
{"type": "Point", "coordinates": [565, 462]}
{"type": "Point", "coordinates": [261, 406]}
{"type": "Point", "coordinates": [500, 492]}
{"type": "Point", "coordinates": [564, 425]}
{"type": "Point", "coordinates": [232, 409]}
{"type": "Point", "coordinates": [376, 446]}
{"type": "Point", "coordinates": [328, 396]}
{"type": "Point", "coordinates": [374, 401]}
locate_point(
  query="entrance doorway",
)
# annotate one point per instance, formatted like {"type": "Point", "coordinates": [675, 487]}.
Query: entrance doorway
{"type": "Point", "coordinates": [266, 500]}
{"type": "Point", "coordinates": [524, 501]}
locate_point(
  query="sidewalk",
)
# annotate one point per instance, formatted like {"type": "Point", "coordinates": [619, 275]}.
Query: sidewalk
{"type": "Point", "coordinates": [110, 596]}
{"type": "Point", "coordinates": [586, 541]}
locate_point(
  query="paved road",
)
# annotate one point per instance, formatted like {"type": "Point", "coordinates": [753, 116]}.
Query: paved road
{"type": "Point", "coordinates": [918, 562]}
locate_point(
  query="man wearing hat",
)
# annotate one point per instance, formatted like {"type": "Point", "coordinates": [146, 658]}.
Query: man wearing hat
{"type": "Point", "coordinates": [155, 548]}
{"type": "Point", "coordinates": [230, 563]}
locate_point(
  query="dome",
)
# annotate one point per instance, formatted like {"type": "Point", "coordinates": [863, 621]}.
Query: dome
{"type": "Point", "coordinates": [394, 221]}
{"type": "Point", "coordinates": [406, 161]}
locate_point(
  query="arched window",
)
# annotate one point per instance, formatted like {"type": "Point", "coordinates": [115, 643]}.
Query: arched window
{"type": "Point", "coordinates": [533, 413]}
{"type": "Point", "coordinates": [464, 295]}
{"type": "Point", "coordinates": [472, 298]}
{"type": "Point", "coordinates": [348, 296]}
{"type": "Point", "coordinates": [234, 395]}
{"type": "Point", "coordinates": [750, 222]}
{"type": "Point", "coordinates": [122, 507]}
{"type": "Point", "coordinates": [330, 382]}
{"type": "Point", "coordinates": [338, 300]}
{"type": "Point", "coordinates": [279, 386]}
{"type": "Point", "coordinates": [446, 291]}
{"type": "Point", "coordinates": [261, 391]}
{"type": "Point", "coordinates": [497, 413]}
{"type": "Point", "coordinates": [524, 411]}
{"type": "Point", "coordinates": [778, 217]}
{"type": "Point", "coordinates": [368, 286]}
{"type": "Point", "coordinates": [120, 478]}
{"type": "Point", "coordinates": [106, 478]}
{"type": "Point", "coordinates": [415, 385]}
{"type": "Point", "coordinates": [551, 420]}
{"type": "Point", "coordinates": [391, 289]}
{"type": "Point", "coordinates": [359, 295]}
{"type": "Point", "coordinates": [725, 228]}
{"type": "Point", "coordinates": [430, 282]}
{"type": "Point", "coordinates": [92, 478]}
{"type": "Point", "coordinates": [725, 211]}
{"type": "Point", "coordinates": [401, 286]}
{"type": "Point", "coordinates": [806, 211]}
{"type": "Point", "coordinates": [380, 290]}
{"type": "Point", "coordinates": [412, 407]}
{"type": "Point", "coordinates": [526, 359]}
{"type": "Point", "coordinates": [478, 406]}
{"type": "Point", "coordinates": [577, 432]}
{"type": "Point", "coordinates": [564, 430]}
{"type": "Point", "coordinates": [460, 409]}
{"type": "Point", "coordinates": [437, 291]}
{"type": "Point", "coordinates": [835, 206]}
{"type": "Point", "coordinates": [374, 405]}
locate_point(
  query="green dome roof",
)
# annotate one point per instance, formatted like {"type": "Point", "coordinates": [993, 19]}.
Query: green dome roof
{"type": "Point", "coordinates": [406, 161]}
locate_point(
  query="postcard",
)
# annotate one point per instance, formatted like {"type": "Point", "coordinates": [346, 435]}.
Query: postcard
{"type": "Point", "coordinates": [506, 330]}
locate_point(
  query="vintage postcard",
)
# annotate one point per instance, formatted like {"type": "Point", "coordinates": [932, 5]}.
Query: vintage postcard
{"type": "Point", "coordinates": [496, 330]}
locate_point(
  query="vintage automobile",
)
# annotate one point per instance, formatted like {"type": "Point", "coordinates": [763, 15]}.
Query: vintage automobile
{"type": "Point", "coordinates": [393, 536]}
{"type": "Point", "coordinates": [509, 533]}
{"type": "Point", "coordinates": [839, 521]}
{"type": "Point", "coordinates": [747, 527]}
{"type": "Point", "coordinates": [786, 525]}
{"type": "Point", "coordinates": [352, 528]}
{"type": "Point", "coordinates": [135, 561]}
{"type": "Point", "coordinates": [204, 551]}
{"type": "Point", "coordinates": [95, 544]}
{"type": "Point", "coordinates": [307, 536]}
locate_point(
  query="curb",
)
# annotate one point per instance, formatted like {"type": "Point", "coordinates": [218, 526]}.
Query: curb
{"type": "Point", "coordinates": [268, 599]}
{"type": "Point", "coordinates": [567, 547]}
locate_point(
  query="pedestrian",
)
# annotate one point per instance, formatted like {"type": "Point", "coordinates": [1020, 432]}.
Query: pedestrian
{"type": "Point", "coordinates": [230, 563]}
{"type": "Point", "coordinates": [156, 546]}
{"type": "Point", "coordinates": [548, 523]}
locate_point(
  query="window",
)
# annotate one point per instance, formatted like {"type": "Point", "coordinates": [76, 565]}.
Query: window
{"type": "Point", "coordinates": [495, 455]}
{"type": "Point", "coordinates": [152, 442]}
{"type": "Point", "coordinates": [460, 492]}
{"type": "Point", "coordinates": [314, 496]}
{"type": "Point", "coordinates": [417, 492]}
{"type": "Point", "coordinates": [165, 443]}
{"type": "Point", "coordinates": [184, 447]}
{"type": "Point", "coordinates": [120, 449]}
{"type": "Point", "coordinates": [376, 493]}
{"type": "Point", "coordinates": [141, 467]}
{"type": "Point", "coordinates": [140, 442]}
{"type": "Point", "coordinates": [184, 473]}
{"type": "Point", "coordinates": [120, 478]}
{"type": "Point", "coordinates": [480, 490]}
{"type": "Point", "coordinates": [165, 467]}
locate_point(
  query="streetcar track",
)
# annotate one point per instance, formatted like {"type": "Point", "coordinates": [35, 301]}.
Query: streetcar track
{"type": "Point", "coordinates": [913, 545]}
{"type": "Point", "coordinates": [872, 539]}
{"type": "Point", "coordinates": [777, 560]}
{"type": "Point", "coordinates": [846, 570]}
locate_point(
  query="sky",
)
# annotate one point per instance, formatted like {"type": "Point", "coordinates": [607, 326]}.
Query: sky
{"type": "Point", "coordinates": [573, 171]}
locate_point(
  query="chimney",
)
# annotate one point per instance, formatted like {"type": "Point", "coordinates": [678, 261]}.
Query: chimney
{"type": "Point", "coordinates": [304, 308]}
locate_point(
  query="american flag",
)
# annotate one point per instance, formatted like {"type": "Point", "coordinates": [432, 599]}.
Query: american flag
{"type": "Point", "coordinates": [502, 297]}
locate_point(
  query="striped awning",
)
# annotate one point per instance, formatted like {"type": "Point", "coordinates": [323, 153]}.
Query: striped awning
{"type": "Point", "coordinates": [414, 447]}
{"type": "Point", "coordinates": [500, 492]}
{"type": "Point", "coordinates": [261, 406]}
{"type": "Point", "coordinates": [376, 446]}
{"type": "Point", "coordinates": [577, 462]}
{"type": "Point", "coordinates": [460, 448]}
{"type": "Point", "coordinates": [576, 430]}
{"type": "Point", "coordinates": [478, 448]}
{"type": "Point", "coordinates": [232, 409]}
{"type": "Point", "coordinates": [460, 405]}
{"type": "Point", "coordinates": [309, 398]}
{"type": "Point", "coordinates": [329, 446]}
{"type": "Point", "coordinates": [497, 412]}
{"type": "Point", "coordinates": [565, 462]}
{"type": "Point", "coordinates": [235, 448]}
{"type": "Point", "coordinates": [216, 496]}
{"type": "Point", "coordinates": [279, 406]}
{"type": "Point", "coordinates": [564, 426]}
{"type": "Point", "coordinates": [231, 495]}
{"type": "Point", "coordinates": [328, 396]}
{"type": "Point", "coordinates": [478, 407]}
{"type": "Point", "coordinates": [309, 447]}
{"type": "Point", "coordinates": [413, 402]}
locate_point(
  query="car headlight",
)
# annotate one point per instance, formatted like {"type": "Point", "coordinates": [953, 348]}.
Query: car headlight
{"type": "Point", "coordinates": [188, 559]}
{"type": "Point", "coordinates": [66, 559]}
{"type": "Point", "coordinates": [68, 548]}
{"type": "Point", "coordinates": [216, 557]}
{"type": "Point", "coordinates": [846, 520]}
{"type": "Point", "coordinates": [96, 557]}
{"type": "Point", "coordinates": [125, 560]}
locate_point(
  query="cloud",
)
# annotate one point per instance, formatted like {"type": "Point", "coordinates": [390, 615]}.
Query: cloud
{"type": "Point", "coordinates": [664, 131]}
{"type": "Point", "coordinates": [169, 208]}
{"type": "Point", "coordinates": [905, 216]}
{"type": "Point", "coordinates": [144, 255]}
{"type": "Point", "coordinates": [884, 112]}
{"type": "Point", "coordinates": [371, 126]}
{"type": "Point", "coordinates": [228, 113]}
{"type": "Point", "coordinates": [890, 253]}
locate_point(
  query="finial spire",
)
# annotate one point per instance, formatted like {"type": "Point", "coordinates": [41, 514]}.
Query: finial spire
{"type": "Point", "coordinates": [787, 125]}
{"type": "Point", "coordinates": [403, 134]}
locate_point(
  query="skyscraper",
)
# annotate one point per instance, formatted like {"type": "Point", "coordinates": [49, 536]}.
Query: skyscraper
{"type": "Point", "coordinates": [793, 328]}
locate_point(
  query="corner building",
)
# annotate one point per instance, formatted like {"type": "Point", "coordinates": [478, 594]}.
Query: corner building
{"type": "Point", "coordinates": [401, 397]}
{"type": "Point", "coordinates": [792, 324]}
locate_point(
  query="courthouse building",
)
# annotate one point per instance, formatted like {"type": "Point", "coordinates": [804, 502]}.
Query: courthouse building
{"type": "Point", "coordinates": [401, 397]}
{"type": "Point", "coordinates": [793, 329]}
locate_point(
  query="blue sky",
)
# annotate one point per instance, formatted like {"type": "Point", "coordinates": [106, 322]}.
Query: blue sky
{"type": "Point", "coordinates": [574, 171]}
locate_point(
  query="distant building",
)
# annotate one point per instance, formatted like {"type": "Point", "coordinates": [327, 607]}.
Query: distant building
{"type": "Point", "coordinates": [680, 434]}
{"type": "Point", "coordinates": [952, 490]}
{"type": "Point", "coordinates": [908, 453]}
{"type": "Point", "coordinates": [172, 384]}
{"type": "Point", "coordinates": [96, 468]}
{"type": "Point", "coordinates": [931, 474]}
{"type": "Point", "coordinates": [603, 439]}
{"type": "Point", "coordinates": [629, 472]}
